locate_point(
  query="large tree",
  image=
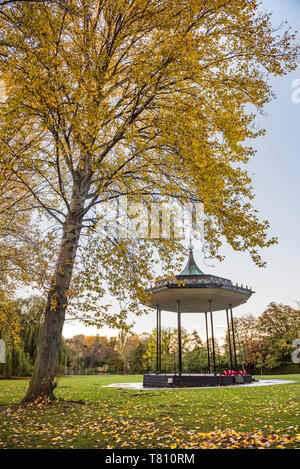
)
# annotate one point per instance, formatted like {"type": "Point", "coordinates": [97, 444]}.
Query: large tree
{"type": "Point", "coordinates": [152, 99]}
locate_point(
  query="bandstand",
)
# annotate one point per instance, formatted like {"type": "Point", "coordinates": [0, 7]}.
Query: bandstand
{"type": "Point", "coordinates": [195, 292]}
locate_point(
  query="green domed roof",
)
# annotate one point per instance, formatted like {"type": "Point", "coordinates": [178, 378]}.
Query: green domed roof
{"type": "Point", "coordinates": [191, 267]}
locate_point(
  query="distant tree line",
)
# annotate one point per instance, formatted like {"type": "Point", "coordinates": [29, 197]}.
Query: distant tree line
{"type": "Point", "coordinates": [264, 344]}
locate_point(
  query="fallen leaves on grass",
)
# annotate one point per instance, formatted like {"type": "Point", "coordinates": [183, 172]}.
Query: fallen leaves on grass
{"type": "Point", "coordinates": [90, 416]}
{"type": "Point", "coordinates": [98, 429]}
{"type": "Point", "coordinates": [231, 439]}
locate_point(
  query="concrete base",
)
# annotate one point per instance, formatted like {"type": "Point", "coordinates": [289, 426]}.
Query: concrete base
{"type": "Point", "coordinates": [193, 380]}
{"type": "Point", "coordinates": [255, 384]}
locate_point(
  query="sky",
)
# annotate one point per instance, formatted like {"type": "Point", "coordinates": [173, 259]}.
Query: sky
{"type": "Point", "coordinates": [276, 180]}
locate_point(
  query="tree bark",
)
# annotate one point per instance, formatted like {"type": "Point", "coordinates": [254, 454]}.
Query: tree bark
{"type": "Point", "coordinates": [42, 382]}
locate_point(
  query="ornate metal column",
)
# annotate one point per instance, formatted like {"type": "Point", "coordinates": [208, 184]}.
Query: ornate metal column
{"type": "Point", "coordinates": [233, 337]}
{"type": "Point", "coordinates": [179, 337]}
{"type": "Point", "coordinates": [207, 342]}
{"type": "Point", "coordinates": [157, 339]}
{"type": "Point", "coordinates": [229, 338]}
{"type": "Point", "coordinates": [212, 335]}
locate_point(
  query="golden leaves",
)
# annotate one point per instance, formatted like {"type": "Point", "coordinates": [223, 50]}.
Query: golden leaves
{"type": "Point", "coordinates": [9, 320]}
{"type": "Point", "coordinates": [148, 99]}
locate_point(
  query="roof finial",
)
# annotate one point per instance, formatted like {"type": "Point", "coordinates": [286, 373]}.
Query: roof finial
{"type": "Point", "coordinates": [191, 268]}
{"type": "Point", "coordinates": [190, 247]}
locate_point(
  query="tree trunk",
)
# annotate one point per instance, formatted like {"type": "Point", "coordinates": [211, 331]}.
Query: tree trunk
{"type": "Point", "coordinates": [42, 382]}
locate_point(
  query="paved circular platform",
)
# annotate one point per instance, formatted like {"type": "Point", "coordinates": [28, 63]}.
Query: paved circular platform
{"type": "Point", "coordinates": [140, 387]}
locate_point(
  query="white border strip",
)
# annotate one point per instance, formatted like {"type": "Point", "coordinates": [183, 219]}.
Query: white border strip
{"type": "Point", "coordinates": [140, 387]}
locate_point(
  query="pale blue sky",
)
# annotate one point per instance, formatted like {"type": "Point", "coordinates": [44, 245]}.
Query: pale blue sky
{"type": "Point", "coordinates": [276, 181]}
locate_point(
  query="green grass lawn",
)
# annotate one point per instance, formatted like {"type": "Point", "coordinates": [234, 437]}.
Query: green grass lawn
{"type": "Point", "coordinates": [264, 417]}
